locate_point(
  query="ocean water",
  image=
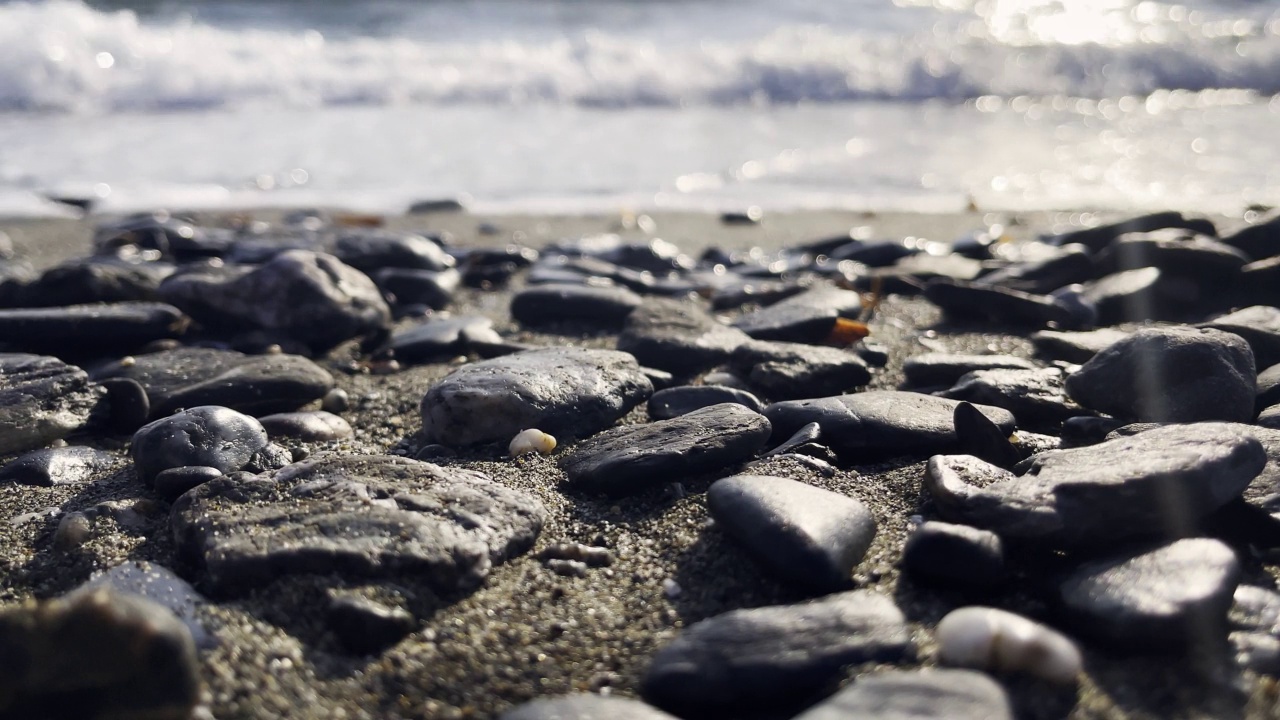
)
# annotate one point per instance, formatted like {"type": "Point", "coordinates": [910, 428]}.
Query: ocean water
{"type": "Point", "coordinates": [587, 105]}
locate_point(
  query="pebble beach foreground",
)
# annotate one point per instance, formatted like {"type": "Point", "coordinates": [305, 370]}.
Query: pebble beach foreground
{"type": "Point", "coordinates": [324, 466]}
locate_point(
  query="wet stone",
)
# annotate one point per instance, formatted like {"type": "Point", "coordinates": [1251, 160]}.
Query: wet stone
{"type": "Point", "coordinates": [1173, 597]}
{"type": "Point", "coordinates": [1259, 325]}
{"type": "Point", "coordinates": [437, 338]}
{"type": "Point", "coordinates": [956, 556]}
{"type": "Point", "coordinates": [1095, 495]}
{"type": "Point", "coordinates": [978, 436]}
{"type": "Point", "coordinates": [880, 423]}
{"type": "Point", "coordinates": [567, 392]}
{"type": "Point", "coordinates": [787, 371]}
{"type": "Point", "coordinates": [1075, 347]}
{"type": "Point", "coordinates": [189, 377]}
{"type": "Point", "coordinates": [1037, 398]}
{"type": "Point", "coordinates": [602, 306]}
{"type": "Point", "coordinates": [429, 288]}
{"type": "Point", "coordinates": [805, 318]}
{"type": "Point", "coordinates": [677, 401]}
{"type": "Point", "coordinates": [585, 707]}
{"type": "Point", "coordinates": [311, 426]}
{"type": "Point", "coordinates": [944, 369]}
{"type": "Point", "coordinates": [173, 482]}
{"type": "Point", "coordinates": [358, 517]}
{"type": "Point", "coordinates": [773, 656]}
{"type": "Point", "coordinates": [804, 535]}
{"type": "Point", "coordinates": [917, 695]}
{"type": "Point", "coordinates": [1170, 374]}
{"type": "Point", "coordinates": [209, 435]}
{"type": "Point", "coordinates": [42, 399]}
{"type": "Point", "coordinates": [365, 627]}
{"type": "Point", "coordinates": [678, 337]}
{"type": "Point", "coordinates": [161, 586]}
{"type": "Point", "coordinates": [88, 329]}
{"type": "Point", "coordinates": [635, 458]}
{"type": "Point", "coordinates": [58, 466]}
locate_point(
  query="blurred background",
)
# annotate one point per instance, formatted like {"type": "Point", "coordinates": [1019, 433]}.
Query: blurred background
{"type": "Point", "coordinates": [583, 105]}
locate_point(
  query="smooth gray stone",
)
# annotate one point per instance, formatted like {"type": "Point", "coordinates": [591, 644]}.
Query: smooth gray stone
{"type": "Point", "coordinates": [161, 586]}
{"type": "Point", "coordinates": [971, 300]}
{"type": "Point", "coordinates": [128, 404]}
{"type": "Point", "coordinates": [190, 377]}
{"type": "Point", "coordinates": [305, 296]}
{"type": "Point", "coordinates": [1158, 483]}
{"type": "Point", "coordinates": [58, 466]}
{"type": "Point", "coordinates": [1129, 296]}
{"type": "Point", "coordinates": [568, 392]}
{"type": "Point", "coordinates": [983, 439]}
{"type": "Point", "coordinates": [1176, 596]}
{"type": "Point", "coordinates": [805, 318]}
{"type": "Point", "coordinates": [171, 483]}
{"type": "Point", "coordinates": [773, 656]}
{"type": "Point", "coordinates": [42, 399]}
{"type": "Point", "coordinates": [585, 707]}
{"type": "Point", "coordinates": [170, 237]}
{"type": "Point", "coordinates": [634, 458]}
{"type": "Point", "coordinates": [678, 337]}
{"type": "Point", "coordinates": [764, 292]}
{"type": "Point", "coordinates": [441, 336]}
{"type": "Point", "coordinates": [370, 251]}
{"type": "Point", "coordinates": [83, 281]}
{"type": "Point", "coordinates": [208, 435]}
{"type": "Point", "coordinates": [944, 369]}
{"type": "Point", "coordinates": [312, 426]}
{"type": "Point", "coordinates": [1260, 239]}
{"type": "Point", "coordinates": [917, 695]}
{"type": "Point", "coordinates": [1035, 397]}
{"type": "Point", "coordinates": [89, 329]}
{"type": "Point", "coordinates": [366, 627]}
{"type": "Point", "coordinates": [1175, 251]}
{"type": "Point", "coordinates": [1259, 325]}
{"type": "Point", "coordinates": [787, 371]}
{"type": "Point", "coordinates": [1269, 418]}
{"type": "Point", "coordinates": [118, 653]}
{"type": "Point", "coordinates": [954, 556]}
{"type": "Point", "coordinates": [880, 423]}
{"type": "Point", "coordinates": [435, 289]}
{"type": "Point", "coordinates": [1170, 374]}
{"type": "Point", "coordinates": [356, 517]}
{"type": "Point", "coordinates": [605, 306]}
{"type": "Point", "coordinates": [677, 401]}
{"type": "Point", "coordinates": [805, 535]}
{"type": "Point", "coordinates": [1061, 267]}
{"type": "Point", "coordinates": [1075, 347]}
{"type": "Point", "coordinates": [1267, 391]}
{"type": "Point", "coordinates": [1097, 238]}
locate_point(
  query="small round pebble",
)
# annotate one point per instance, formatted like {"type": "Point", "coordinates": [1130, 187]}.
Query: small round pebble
{"type": "Point", "coordinates": [336, 401]}
{"type": "Point", "coordinates": [209, 435]}
{"type": "Point", "coordinates": [73, 531]}
{"type": "Point", "coordinates": [995, 640]}
{"type": "Point", "coordinates": [531, 441]}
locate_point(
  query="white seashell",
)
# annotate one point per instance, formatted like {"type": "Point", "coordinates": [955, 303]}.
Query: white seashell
{"type": "Point", "coordinates": [531, 440]}
{"type": "Point", "coordinates": [985, 638]}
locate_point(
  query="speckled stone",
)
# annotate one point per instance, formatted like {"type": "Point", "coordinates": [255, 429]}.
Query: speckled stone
{"type": "Point", "coordinates": [42, 399]}
{"type": "Point", "coordinates": [89, 329]}
{"type": "Point", "coordinates": [585, 707]}
{"type": "Point", "coordinates": [917, 695]}
{"type": "Point", "coordinates": [59, 466]}
{"type": "Point", "coordinates": [677, 401]}
{"type": "Point", "coordinates": [208, 435]}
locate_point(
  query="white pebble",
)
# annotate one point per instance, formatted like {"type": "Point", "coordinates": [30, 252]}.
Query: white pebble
{"type": "Point", "coordinates": [671, 589]}
{"type": "Point", "coordinates": [985, 638]}
{"type": "Point", "coordinates": [531, 440]}
{"type": "Point", "coordinates": [73, 531]}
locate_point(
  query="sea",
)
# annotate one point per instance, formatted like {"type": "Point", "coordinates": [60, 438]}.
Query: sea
{"type": "Point", "coordinates": [567, 106]}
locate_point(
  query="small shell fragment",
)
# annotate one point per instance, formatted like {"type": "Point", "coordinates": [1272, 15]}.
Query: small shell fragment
{"type": "Point", "coordinates": [985, 638]}
{"type": "Point", "coordinates": [531, 440]}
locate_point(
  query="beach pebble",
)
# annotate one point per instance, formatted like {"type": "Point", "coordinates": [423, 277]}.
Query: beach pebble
{"type": "Point", "coordinates": [161, 586]}
{"type": "Point", "coordinates": [873, 353]}
{"type": "Point", "coordinates": [428, 288]}
{"type": "Point", "coordinates": [1095, 495]}
{"type": "Point", "coordinates": [1037, 398]}
{"type": "Point", "coordinates": [880, 423]}
{"type": "Point", "coordinates": [804, 535]}
{"type": "Point", "coordinates": [1056, 268]}
{"type": "Point", "coordinates": [310, 426]}
{"type": "Point", "coordinates": [1174, 251]}
{"type": "Point", "coordinates": [209, 435]}
{"type": "Point", "coordinates": [585, 707]}
{"type": "Point", "coordinates": [788, 371]}
{"type": "Point", "coordinates": [567, 568]}
{"type": "Point", "coordinates": [336, 401]}
{"type": "Point", "coordinates": [1130, 296]}
{"type": "Point", "coordinates": [372, 250]}
{"type": "Point", "coordinates": [1098, 237]}
{"type": "Point", "coordinates": [1075, 347]}
{"type": "Point", "coordinates": [169, 237]}
{"type": "Point", "coordinates": [131, 658]}
{"type": "Point", "coordinates": [966, 300]}
{"type": "Point", "coordinates": [1259, 325]}
{"type": "Point", "coordinates": [994, 640]}
{"type": "Point", "coordinates": [976, 435]}
{"type": "Point", "coordinates": [631, 459]}
{"type": "Point", "coordinates": [935, 369]}
{"type": "Point", "coordinates": [805, 318]}
{"type": "Point", "coordinates": [74, 529]}
{"type": "Point", "coordinates": [83, 281]}
{"type": "Point", "coordinates": [86, 330]}
{"type": "Point", "coordinates": [59, 466]}
{"type": "Point", "coordinates": [365, 627]}
{"type": "Point", "coordinates": [1170, 374]}
{"type": "Point", "coordinates": [588, 555]}
{"type": "Point", "coordinates": [567, 392]}
{"type": "Point", "coordinates": [377, 516]}
{"type": "Point", "coordinates": [955, 556]}
{"type": "Point", "coordinates": [1173, 597]}
{"type": "Point", "coordinates": [677, 401]}
{"type": "Point", "coordinates": [171, 483]}
{"type": "Point", "coordinates": [773, 656]}
{"type": "Point", "coordinates": [42, 399]}
{"type": "Point", "coordinates": [1269, 418]}
{"type": "Point", "coordinates": [1267, 391]}
{"type": "Point", "coordinates": [1260, 282]}
{"type": "Point", "coordinates": [747, 290]}
{"type": "Point", "coordinates": [606, 306]}
{"type": "Point", "coordinates": [1259, 239]}
{"type": "Point", "coordinates": [128, 404]}
{"type": "Point", "coordinates": [437, 338]}
{"type": "Point", "coordinates": [532, 440]}
{"type": "Point", "coordinates": [916, 695]}
{"type": "Point", "coordinates": [678, 337]}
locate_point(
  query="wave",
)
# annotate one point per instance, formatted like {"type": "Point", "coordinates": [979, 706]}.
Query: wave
{"type": "Point", "coordinates": [63, 55]}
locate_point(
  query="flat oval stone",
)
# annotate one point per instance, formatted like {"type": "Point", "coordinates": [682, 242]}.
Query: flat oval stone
{"type": "Point", "coordinates": [880, 423]}
{"type": "Point", "coordinates": [175, 481]}
{"type": "Point", "coordinates": [971, 300]}
{"type": "Point", "coordinates": [1095, 495]}
{"type": "Point", "coordinates": [954, 556]}
{"type": "Point", "coordinates": [804, 318]}
{"type": "Point", "coordinates": [441, 336]}
{"type": "Point", "coordinates": [567, 392]}
{"type": "Point", "coordinates": [1037, 398]}
{"type": "Point", "coordinates": [89, 329]}
{"type": "Point", "coordinates": [85, 281]}
{"type": "Point", "coordinates": [190, 377]}
{"type": "Point", "coordinates": [369, 251]}
{"type": "Point", "coordinates": [603, 306]}
{"type": "Point", "coordinates": [209, 435]}
{"type": "Point", "coordinates": [677, 401]}
{"type": "Point", "coordinates": [58, 466]}
{"type": "Point", "coordinates": [1170, 374]}
{"type": "Point", "coordinates": [1174, 251]}
{"type": "Point", "coordinates": [366, 627]}
{"type": "Point", "coordinates": [787, 371]}
{"type": "Point", "coordinates": [42, 399]}
{"type": "Point", "coordinates": [359, 517]}
{"type": "Point", "coordinates": [1259, 325]}
{"type": "Point", "coordinates": [1172, 597]}
{"type": "Point", "coordinates": [312, 426]}
{"type": "Point", "coordinates": [944, 369]}
{"type": "Point", "coordinates": [1075, 347]}
{"type": "Point", "coordinates": [585, 707]}
{"type": "Point", "coordinates": [434, 289]}
{"type": "Point", "coordinates": [1097, 238]}
{"type": "Point", "coordinates": [917, 695]}
{"type": "Point", "coordinates": [773, 656]}
{"type": "Point", "coordinates": [678, 337]}
{"type": "Point", "coordinates": [1058, 268]}
{"type": "Point", "coordinates": [635, 458]}
{"type": "Point", "coordinates": [805, 535]}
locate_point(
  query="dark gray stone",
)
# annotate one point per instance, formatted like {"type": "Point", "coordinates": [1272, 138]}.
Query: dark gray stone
{"type": "Point", "coordinates": [1260, 282]}
{"type": "Point", "coordinates": [371, 251]}
{"type": "Point", "coordinates": [677, 401]}
{"type": "Point", "coordinates": [209, 435]}
{"type": "Point", "coordinates": [978, 436]}
{"type": "Point", "coordinates": [161, 586]}
{"type": "Point", "coordinates": [1129, 296]}
{"type": "Point", "coordinates": [1174, 251]}
{"type": "Point", "coordinates": [58, 466]}
{"type": "Point", "coordinates": [365, 627]}
{"type": "Point", "coordinates": [356, 517]}
{"type": "Point", "coordinates": [128, 405]}
{"type": "Point", "coordinates": [1057, 268]}
{"type": "Point", "coordinates": [1170, 374]}
{"type": "Point", "coordinates": [787, 371]}
{"type": "Point", "coordinates": [173, 482]}
{"type": "Point", "coordinates": [763, 292]}
{"type": "Point", "coordinates": [1037, 398]}
{"type": "Point", "coordinates": [1259, 325]}
{"type": "Point", "coordinates": [419, 287]}
{"type": "Point", "coordinates": [773, 656]}
{"type": "Point", "coordinates": [1097, 238]}
{"type": "Point", "coordinates": [805, 318]}
{"type": "Point", "coordinates": [805, 535]}
{"type": "Point", "coordinates": [190, 377]}
{"type": "Point", "coordinates": [83, 330]}
{"type": "Point", "coordinates": [955, 556]}
{"type": "Point", "coordinates": [585, 707]}
{"type": "Point", "coordinates": [937, 369]}
{"type": "Point", "coordinates": [678, 337]}
{"type": "Point", "coordinates": [606, 306]}
{"type": "Point", "coordinates": [311, 426]}
{"type": "Point", "coordinates": [85, 281]}
{"type": "Point", "coordinates": [917, 695]}
{"type": "Point", "coordinates": [568, 392]}
{"type": "Point", "coordinates": [1075, 347]}
{"type": "Point", "coordinates": [42, 399]}
{"type": "Point", "coordinates": [1269, 418]}
{"type": "Point", "coordinates": [880, 423]}
{"type": "Point", "coordinates": [162, 235]}
{"type": "Point", "coordinates": [1176, 596]}
{"type": "Point", "coordinates": [972, 301]}
{"type": "Point", "coordinates": [1260, 239]}
{"type": "Point", "coordinates": [439, 337]}
{"type": "Point", "coordinates": [635, 458]}
{"type": "Point", "coordinates": [1267, 392]}
{"type": "Point", "coordinates": [1158, 483]}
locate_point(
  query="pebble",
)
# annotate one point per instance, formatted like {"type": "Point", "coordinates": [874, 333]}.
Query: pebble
{"type": "Point", "coordinates": [585, 707]}
{"type": "Point", "coordinates": [74, 530]}
{"type": "Point", "coordinates": [678, 337]}
{"type": "Point", "coordinates": [1174, 597]}
{"type": "Point", "coordinates": [370, 251]}
{"type": "Point", "coordinates": [310, 426]}
{"type": "Point", "coordinates": [84, 281]}
{"type": "Point", "coordinates": [532, 440]}
{"type": "Point", "coordinates": [208, 435]}
{"type": "Point", "coordinates": [936, 369]}
{"type": "Point", "coordinates": [805, 318]}
{"type": "Point", "coordinates": [427, 288]}
{"type": "Point", "coordinates": [42, 399]}
{"type": "Point", "coordinates": [804, 535]}
{"type": "Point", "coordinates": [72, 465]}
{"type": "Point", "coordinates": [985, 638]}
{"type": "Point", "coordinates": [567, 568]}
{"type": "Point", "coordinates": [976, 435]}
{"type": "Point", "coordinates": [771, 657]}
{"type": "Point", "coordinates": [365, 627]}
{"type": "Point", "coordinates": [86, 330]}
{"type": "Point", "coordinates": [955, 556]}
{"type": "Point", "coordinates": [171, 483]}
{"type": "Point", "coordinates": [916, 695]}
{"type": "Point", "coordinates": [1174, 251]}
{"type": "Point", "coordinates": [631, 459]}
{"type": "Point", "coordinates": [436, 339]}
{"type": "Point", "coordinates": [1057, 268]}
{"type": "Point", "coordinates": [1268, 389]}
{"type": "Point", "coordinates": [788, 371]}
{"type": "Point", "coordinates": [1170, 374]}
{"type": "Point", "coordinates": [677, 401]}
{"type": "Point", "coordinates": [128, 404]}
{"type": "Point", "coordinates": [1037, 398]}
{"type": "Point", "coordinates": [974, 301]}
{"type": "Point", "coordinates": [606, 306]}
{"type": "Point", "coordinates": [336, 401]}
{"type": "Point", "coordinates": [1075, 347]}
{"type": "Point", "coordinates": [1259, 325]}
{"type": "Point", "coordinates": [567, 392]}
{"type": "Point", "coordinates": [588, 555]}
{"type": "Point", "coordinates": [161, 586]}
